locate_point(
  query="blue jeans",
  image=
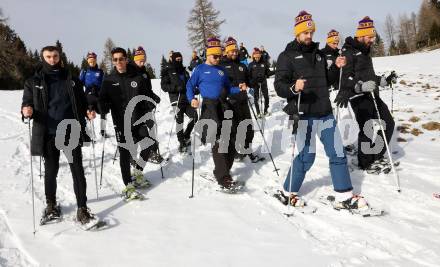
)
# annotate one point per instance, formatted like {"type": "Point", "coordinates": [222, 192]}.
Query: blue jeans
{"type": "Point", "coordinates": [330, 137]}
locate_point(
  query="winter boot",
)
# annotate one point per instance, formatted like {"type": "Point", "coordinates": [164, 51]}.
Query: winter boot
{"type": "Point", "coordinates": [84, 216]}
{"type": "Point", "coordinates": [130, 193]}
{"type": "Point", "coordinates": [355, 202]}
{"type": "Point", "coordinates": [155, 158]}
{"type": "Point", "coordinates": [138, 179]}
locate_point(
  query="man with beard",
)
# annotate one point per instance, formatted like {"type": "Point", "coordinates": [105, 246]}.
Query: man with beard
{"type": "Point", "coordinates": [92, 77]}
{"type": "Point", "coordinates": [214, 86]}
{"type": "Point", "coordinates": [238, 74]}
{"type": "Point", "coordinates": [173, 81]}
{"type": "Point", "coordinates": [302, 74]}
{"type": "Point", "coordinates": [258, 73]}
{"type": "Point", "coordinates": [49, 97]}
{"type": "Point", "coordinates": [359, 80]}
{"type": "Point", "coordinates": [120, 87]}
{"type": "Point", "coordinates": [139, 59]}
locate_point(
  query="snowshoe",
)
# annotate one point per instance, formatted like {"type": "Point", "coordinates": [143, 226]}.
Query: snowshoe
{"type": "Point", "coordinates": [350, 150]}
{"type": "Point", "coordinates": [139, 181]}
{"type": "Point", "coordinates": [88, 220]}
{"type": "Point", "coordinates": [436, 195]}
{"type": "Point", "coordinates": [130, 193]}
{"type": "Point", "coordinates": [183, 148]}
{"type": "Point", "coordinates": [255, 158]}
{"type": "Point", "coordinates": [51, 214]}
{"type": "Point", "coordinates": [267, 113]}
{"type": "Point", "coordinates": [295, 200]}
{"type": "Point", "coordinates": [355, 205]}
{"type": "Point", "coordinates": [155, 158]}
{"type": "Point", "coordinates": [239, 157]}
{"type": "Point", "coordinates": [228, 185]}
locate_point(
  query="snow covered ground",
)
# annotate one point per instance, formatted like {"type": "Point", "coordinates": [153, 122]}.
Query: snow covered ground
{"type": "Point", "coordinates": [214, 229]}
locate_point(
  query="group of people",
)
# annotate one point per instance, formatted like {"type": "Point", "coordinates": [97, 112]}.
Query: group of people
{"type": "Point", "coordinates": [220, 89]}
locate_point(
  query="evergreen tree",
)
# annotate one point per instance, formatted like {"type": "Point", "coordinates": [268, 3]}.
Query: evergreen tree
{"type": "Point", "coordinates": [84, 64]}
{"type": "Point", "coordinates": [202, 24]}
{"type": "Point", "coordinates": [378, 48]}
{"type": "Point", "coordinates": [107, 55]}
{"type": "Point", "coordinates": [402, 46]}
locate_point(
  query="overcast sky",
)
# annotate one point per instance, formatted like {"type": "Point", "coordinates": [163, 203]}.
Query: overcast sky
{"type": "Point", "coordinates": [160, 26]}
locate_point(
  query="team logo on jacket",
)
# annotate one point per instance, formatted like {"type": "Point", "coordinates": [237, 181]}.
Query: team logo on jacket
{"type": "Point", "coordinates": [262, 65]}
{"type": "Point", "coordinates": [134, 84]}
{"type": "Point", "coordinates": [145, 76]}
{"type": "Point", "coordinates": [73, 84]}
{"type": "Point", "coordinates": [329, 63]}
{"type": "Point", "coordinates": [97, 74]}
{"type": "Point", "coordinates": [240, 68]}
{"type": "Point", "coordinates": [221, 73]}
{"type": "Point", "coordinates": [318, 57]}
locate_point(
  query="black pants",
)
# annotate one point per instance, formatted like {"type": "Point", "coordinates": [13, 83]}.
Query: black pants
{"type": "Point", "coordinates": [185, 108]}
{"type": "Point", "coordinates": [242, 112]}
{"type": "Point", "coordinates": [51, 165]}
{"type": "Point", "coordinates": [265, 93]}
{"type": "Point", "coordinates": [364, 111]}
{"type": "Point", "coordinates": [223, 161]}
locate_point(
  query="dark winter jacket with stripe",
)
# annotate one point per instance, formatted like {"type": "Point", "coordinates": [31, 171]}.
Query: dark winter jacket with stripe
{"type": "Point", "coordinates": [258, 73]}
{"type": "Point", "coordinates": [118, 89]}
{"type": "Point", "coordinates": [359, 66]}
{"type": "Point", "coordinates": [306, 62]}
{"type": "Point", "coordinates": [36, 94]}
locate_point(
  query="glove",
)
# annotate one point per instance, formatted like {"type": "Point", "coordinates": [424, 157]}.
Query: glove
{"type": "Point", "coordinates": [365, 87]}
{"type": "Point", "coordinates": [156, 99]}
{"type": "Point", "coordinates": [383, 82]}
{"type": "Point", "coordinates": [251, 91]}
{"type": "Point", "coordinates": [342, 98]}
{"type": "Point", "coordinates": [392, 78]}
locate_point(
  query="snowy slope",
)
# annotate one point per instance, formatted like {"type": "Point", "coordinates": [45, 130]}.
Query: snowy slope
{"type": "Point", "coordinates": [214, 229]}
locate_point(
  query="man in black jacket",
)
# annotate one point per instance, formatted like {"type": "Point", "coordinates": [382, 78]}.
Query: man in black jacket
{"type": "Point", "coordinates": [195, 61]}
{"type": "Point", "coordinates": [239, 74]}
{"type": "Point", "coordinates": [258, 73]}
{"type": "Point", "coordinates": [331, 51]}
{"type": "Point", "coordinates": [123, 86]}
{"type": "Point", "coordinates": [302, 72]}
{"type": "Point", "coordinates": [49, 97]}
{"type": "Point", "coordinates": [139, 59]}
{"type": "Point", "coordinates": [358, 82]}
{"type": "Point", "coordinates": [173, 81]}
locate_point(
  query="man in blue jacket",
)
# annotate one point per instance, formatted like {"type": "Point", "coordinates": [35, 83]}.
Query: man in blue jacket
{"type": "Point", "coordinates": [211, 80]}
{"type": "Point", "coordinates": [92, 79]}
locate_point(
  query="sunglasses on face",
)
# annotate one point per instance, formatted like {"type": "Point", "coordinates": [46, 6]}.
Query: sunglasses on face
{"type": "Point", "coordinates": [118, 59]}
{"type": "Point", "coordinates": [216, 57]}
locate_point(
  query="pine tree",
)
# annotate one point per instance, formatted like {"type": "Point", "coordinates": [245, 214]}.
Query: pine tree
{"type": "Point", "coordinates": [378, 48]}
{"type": "Point", "coordinates": [107, 58]}
{"type": "Point", "coordinates": [202, 24]}
{"type": "Point", "coordinates": [129, 54]}
{"type": "Point", "coordinates": [392, 50]}
{"type": "Point", "coordinates": [402, 46]}
{"type": "Point", "coordinates": [84, 64]}
{"type": "Point", "coordinates": [434, 33]}
{"type": "Point", "coordinates": [150, 70]}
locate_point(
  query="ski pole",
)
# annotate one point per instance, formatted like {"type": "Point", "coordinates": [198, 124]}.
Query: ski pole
{"type": "Point", "coordinates": [396, 176]}
{"type": "Point", "coordinates": [264, 139]}
{"type": "Point", "coordinates": [94, 157]}
{"type": "Point", "coordinates": [263, 116]}
{"type": "Point", "coordinates": [102, 158]}
{"type": "Point", "coordinates": [194, 152]}
{"type": "Point", "coordinates": [392, 99]}
{"type": "Point", "coordinates": [293, 152]}
{"type": "Point", "coordinates": [32, 175]}
{"type": "Point", "coordinates": [158, 149]}
{"type": "Point", "coordinates": [115, 155]}
{"type": "Point", "coordinates": [41, 174]}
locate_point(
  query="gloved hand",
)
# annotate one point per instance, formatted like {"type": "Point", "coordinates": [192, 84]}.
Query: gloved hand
{"type": "Point", "coordinates": [251, 92]}
{"type": "Point", "coordinates": [392, 78]}
{"type": "Point", "coordinates": [365, 87]}
{"type": "Point", "coordinates": [342, 98]}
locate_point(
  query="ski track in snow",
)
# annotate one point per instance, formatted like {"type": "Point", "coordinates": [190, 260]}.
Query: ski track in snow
{"type": "Point", "coordinates": [405, 236]}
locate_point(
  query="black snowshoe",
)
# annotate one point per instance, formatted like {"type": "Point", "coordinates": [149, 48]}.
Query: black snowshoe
{"type": "Point", "coordinates": [51, 214]}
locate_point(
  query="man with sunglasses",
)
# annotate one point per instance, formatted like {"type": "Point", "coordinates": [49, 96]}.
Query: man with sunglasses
{"type": "Point", "coordinates": [173, 81]}
{"type": "Point", "coordinates": [120, 87]}
{"type": "Point", "coordinates": [359, 80]}
{"type": "Point", "coordinates": [140, 59]}
{"type": "Point", "coordinates": [238, 74]}
{"type": "Point", "coordinates": [214, 86]}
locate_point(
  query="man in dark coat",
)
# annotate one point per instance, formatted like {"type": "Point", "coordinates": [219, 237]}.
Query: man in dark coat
{"type": "Point", "coordinates": [122, 86]}
{"type": "Point", "coordinates": [359, 80]}
{"type": "Point", "coordinates": [302, 74]}
{"type": "Point", "coordinates": [173, 81]}
{"type": "Point", "coordinates": [50, 97]}
{"type": "Point", "coordinates": [258, 73]}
